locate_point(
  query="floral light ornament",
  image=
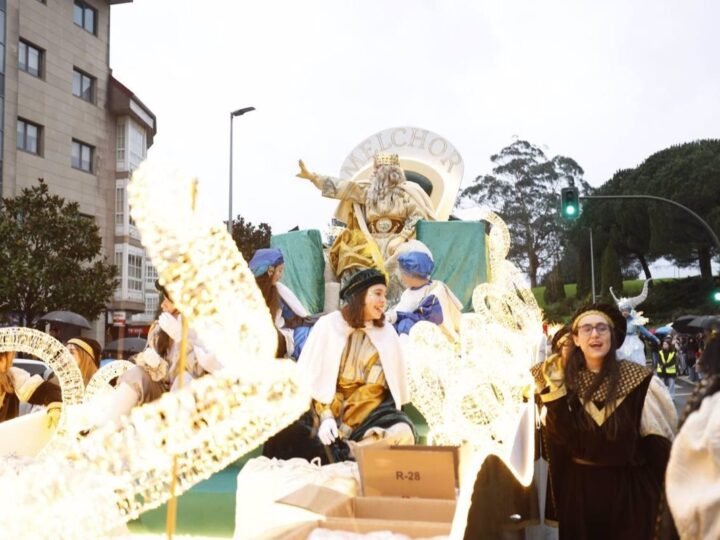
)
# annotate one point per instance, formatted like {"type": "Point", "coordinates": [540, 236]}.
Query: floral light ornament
{"type": "Point", "coordinates": [473, 393]}
{"type": "Point", "coordinates": [121, 470]}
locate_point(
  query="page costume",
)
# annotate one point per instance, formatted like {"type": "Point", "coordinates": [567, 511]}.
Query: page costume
{"type": "Point", "coordinates": [154, 374]}
{"type": "Point", "coordinates": [27, 389]}
{"type": "Point", "coordinates": [433, 302]}
{"type": "Point", "coordinates": [604, 485]}
{"type": "Point", "coordinates": [291, 317]}
{"type": "Point", "coordinates": [356, 376]}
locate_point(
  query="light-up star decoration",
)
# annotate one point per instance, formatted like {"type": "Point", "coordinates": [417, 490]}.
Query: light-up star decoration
{"type": "Point", "coordinates": [90, 487]}
{"type": "Point", "coordinates": [472, 393]}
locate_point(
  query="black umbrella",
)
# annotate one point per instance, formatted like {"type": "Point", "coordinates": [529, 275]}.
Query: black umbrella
{"type": "Point", "coordinates": [705, 321]}
{"type": "Point", "coordinates": [128, 345]}
{"type": "Point", "coordinates": [66, 317]}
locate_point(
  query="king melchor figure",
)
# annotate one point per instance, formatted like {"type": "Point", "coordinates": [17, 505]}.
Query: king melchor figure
{"type": "Point", "coordinates": [380, 213]}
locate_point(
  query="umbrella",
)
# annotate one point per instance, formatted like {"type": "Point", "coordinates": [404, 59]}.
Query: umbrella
{"type": "Point", "coordinates": [682, 324]}
{"type": "Point", "coordinates": [705, 321]}
{"type": "Point", "coordinates": [66, 317]}
{"type": "Point", "coordinates": [128, 345]}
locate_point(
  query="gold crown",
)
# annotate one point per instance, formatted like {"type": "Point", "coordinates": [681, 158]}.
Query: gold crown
{"type": "Point", "coordinates": [385, 158]}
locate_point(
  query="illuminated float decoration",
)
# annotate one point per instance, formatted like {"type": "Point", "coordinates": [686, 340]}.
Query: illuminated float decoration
{"type": "Point", "coordinates": [88, 487]}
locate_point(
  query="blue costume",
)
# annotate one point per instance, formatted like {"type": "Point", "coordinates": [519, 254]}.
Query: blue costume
{"type": "Point", "coordinates": [433, 301]}
{"type": "Point", "coordinates": [290, 318]}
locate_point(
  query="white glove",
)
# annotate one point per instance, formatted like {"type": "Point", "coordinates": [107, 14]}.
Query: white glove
{"type": "Point", "coordinates": [328, 431]}
{"type": "Point", "coordinates": [391, 316]}
{"type": "Point", "coordinates": [171, 326]}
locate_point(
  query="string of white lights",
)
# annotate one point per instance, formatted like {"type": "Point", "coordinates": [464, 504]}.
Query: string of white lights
{"type": "Point", "coordinates": [117, 472]}
{"type": "Point", "coordinates": [100, 381]}
{"type": "Point", "coordinates": [472, 393]}
{"type": "Point", "coordinates": [55, 355]}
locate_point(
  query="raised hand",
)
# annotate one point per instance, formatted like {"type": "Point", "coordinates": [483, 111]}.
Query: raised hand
{"type": "Point", "coordinates": [304, 172]}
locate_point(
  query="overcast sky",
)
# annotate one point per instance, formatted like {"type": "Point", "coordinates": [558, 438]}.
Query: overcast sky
{"type": "Point", "coordinates": [606, 83]}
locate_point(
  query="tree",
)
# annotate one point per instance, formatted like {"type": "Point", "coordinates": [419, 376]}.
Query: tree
{"type": "Point", "coordinates": [610, 274]}
{"type": "Point", "coordinates": [554, 286]}
{"type": "Point", "coordinates": [645, 230]}
{"type": "Point", "coordinates": [690, 175]}
{"type": "Point", "coordinates": [524, 190]}
{"type": "Point", "coordinates": [249, 238]}
{"type": "Point", "coordinates": [49, 258]}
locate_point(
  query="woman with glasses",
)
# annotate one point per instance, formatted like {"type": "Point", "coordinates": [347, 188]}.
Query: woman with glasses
{"type": "Point", "coordinates": [614, 422]}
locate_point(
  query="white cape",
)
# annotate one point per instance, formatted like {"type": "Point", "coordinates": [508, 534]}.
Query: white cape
{"type": "Point", "coordinates": [319, 362]}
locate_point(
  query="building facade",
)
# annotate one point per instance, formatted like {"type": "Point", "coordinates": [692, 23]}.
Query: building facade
{"type": "Point", "coordinates": [66, 119]}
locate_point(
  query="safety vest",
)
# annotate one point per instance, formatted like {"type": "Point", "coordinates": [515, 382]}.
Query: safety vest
{"type": "Point", "coordinates": [667, 366]}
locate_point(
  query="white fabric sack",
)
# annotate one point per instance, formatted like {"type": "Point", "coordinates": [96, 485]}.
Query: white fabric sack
{"type": "Point", "coordinates": [263, 481]}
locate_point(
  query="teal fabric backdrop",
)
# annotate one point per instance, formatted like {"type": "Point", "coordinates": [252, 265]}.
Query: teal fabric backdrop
{"type": "Point", "coordinates": [304, 266]}
{"type": "Point", "coordinates": [460, 252]}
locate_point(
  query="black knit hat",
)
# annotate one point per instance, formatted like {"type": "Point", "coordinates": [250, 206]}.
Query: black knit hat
{"type": "Point", "coordinates": [361, 281]}
{"type": "Point", "coordinates": [611, 312]}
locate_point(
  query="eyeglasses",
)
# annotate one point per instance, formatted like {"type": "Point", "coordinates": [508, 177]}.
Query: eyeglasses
{"type": "Point", "coordinates": [587, 329]}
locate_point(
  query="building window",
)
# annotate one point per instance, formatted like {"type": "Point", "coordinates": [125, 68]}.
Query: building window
{"type": "Point", "coordinates": [85, 16]}
{"type": "Point", "coordinates": [135, 270]}
{"type": "Point", "coordinates": [120, 208]}
{"type": "Point", "coordinates": [30, 58]}
{"type": "Point", "coordinates": [136, 147]}
{"type": "Point", "coordinates": [119, 266]}
{"type": "Point", "coordinates": [82, 156]}
{"type": "Point", "coordinates": [150, 275]}
{"type": "Point", "coordinates": [28, 136]}
{"type": "Point", "coordinates": [152, 303]}
{"type": "Point", "coordinates": [83, 85]}
{"type": "Point", "coordinates": [120, 146]}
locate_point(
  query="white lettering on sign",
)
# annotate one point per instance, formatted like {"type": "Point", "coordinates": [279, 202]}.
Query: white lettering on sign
{"type": "Point", "coordinates": [399, 139]}
{"type": "Point", "coordinates": [420, 151]}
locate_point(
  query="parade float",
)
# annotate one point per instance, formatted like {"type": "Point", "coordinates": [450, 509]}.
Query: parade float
{"type": "Point", "coordinates": [471, 391]}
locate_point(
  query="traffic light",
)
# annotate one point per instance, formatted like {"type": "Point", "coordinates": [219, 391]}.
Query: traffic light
{"type": "Point", "coordinates": [715, 293]}
{"type": "Point", "coordinates": [569, 203]}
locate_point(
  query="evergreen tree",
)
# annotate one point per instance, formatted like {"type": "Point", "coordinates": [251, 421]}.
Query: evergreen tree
{"type": "Point", "coordinates": [554, 286]}
{"type": "Point", "coordinates": [49, 256]}
{"type": "Point", "coordinates": [249, 238]}
{"type": "Point", "coordinates": [524, 189]}
{"type": "Point", "coordinates": [610, 273]}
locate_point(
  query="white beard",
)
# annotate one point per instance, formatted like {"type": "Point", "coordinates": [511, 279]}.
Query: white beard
{"type": "Point", "coordinates": [384, 182]}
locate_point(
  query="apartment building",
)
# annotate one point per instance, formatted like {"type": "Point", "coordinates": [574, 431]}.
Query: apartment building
{"type": "Point", "coordinates": [66, 119]}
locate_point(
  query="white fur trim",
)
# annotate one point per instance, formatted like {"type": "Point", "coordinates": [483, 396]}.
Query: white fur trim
{"type": "Point", "coordinates": [659, 416]}
{"type": "Point", "coordinates": [692, 481]}
{"type": "Point", "coordinates": [319, 361]}
{"type": "Point", "coordinates": [292, 301]}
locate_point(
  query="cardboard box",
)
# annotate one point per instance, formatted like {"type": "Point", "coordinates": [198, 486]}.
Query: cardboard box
{"type": "Point", "coordinates": [409, 490]}
{"type": "Point", "coordinates": [414, 517]}
{"type": "Point", "coordinates": [413, 529]}
{"type": "Point", "coordinates": [409, 471]}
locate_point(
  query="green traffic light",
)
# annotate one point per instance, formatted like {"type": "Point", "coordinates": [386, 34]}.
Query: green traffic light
{"type": "Point", "coordinates": [716, 296]}
{"type": "Point", "coordinates": [570, 210]}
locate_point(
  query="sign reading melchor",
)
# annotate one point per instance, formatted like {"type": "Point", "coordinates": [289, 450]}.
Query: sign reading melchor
{"type": "Point", "coordinates": [406, 141]}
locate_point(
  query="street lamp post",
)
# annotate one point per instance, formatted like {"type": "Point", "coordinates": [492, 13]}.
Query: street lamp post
{"type": "Point", "coordinates": [233, 114]}
{"type": "Point", "coordinates": [592, 266]}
